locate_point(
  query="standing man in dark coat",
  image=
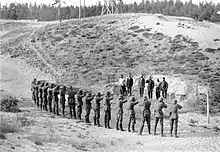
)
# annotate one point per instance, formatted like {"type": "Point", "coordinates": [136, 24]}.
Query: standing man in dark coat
{"type": "Point", "coordinates": [132, 118]}
{"type": "Point", "coordinates": [62, 99]}
{"type": "Point", "coordinates": [107, 108]}
{"type": "Point", "coordinates": [129, 84]}
{"type": "Point", "coordinates": [71, 102]}
{"type": "Point", "coordinates": [55, 100]}
{"type": "Point", "coordinates": [141, 85]}
{"type": "Point", "coordinates": [79, 97]}
{"type": "Point", "coordinates": [174, 117]}
{"type": "Point", "coordinates": [159, 115]}
{"type": "Point", "coordinates": [120, 112]}
{"type": "Point", "coordinates": [146, 115]}
{"type": "Point", "coordinates": [122, 84]}
{"type": "Point", "coordinates": [45, 96]}
{"type": "Point", "coordinates": [88, 104]}
{"type": "Point", "coordinates": [150, 87]}
{"type": "Point", "coordinates": [164, 88]}
{"type": "Point", "coordinates": [50, 96]}
{"type": "Point", "coordinates": [158, 88]}
{"type": "Point", "coordinates": [96, 104]}
{"type": "Point", "coordinates": [40, 95]}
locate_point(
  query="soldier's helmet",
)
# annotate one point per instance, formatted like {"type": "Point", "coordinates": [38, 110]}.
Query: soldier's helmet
{"type": "Point", "coordinates": [108, 93]}
{"type": "Point", "coordinates": [80, 91]}
{"type": "Point", "coordinates": [133, 99]}
{"type": "Point", "coordinates": [46, 84]}
{"type": "Point", "coordinates": [98, 94]}
{"type": "Point", "coordinates": [174, 101]}
{"type": "Point", "coordinates": [89, 94]}
{"type": "Point", "coordinates": [120, 96]}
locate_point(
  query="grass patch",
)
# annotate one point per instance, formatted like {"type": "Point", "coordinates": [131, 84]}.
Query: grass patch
{"type": "Point", "coordinates": [9, 105]}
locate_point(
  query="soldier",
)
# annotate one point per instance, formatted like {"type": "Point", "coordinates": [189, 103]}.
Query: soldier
{"type": "Point", "coordinates": [88, 103]}
{"type": "Point", "coordinates": [132, 118]}
{"type": "Point", "coordinates": [164, 88]}
{"type": "Point", "coordinates": [50, 96]}
{"type": "Point", "coordinates": [72, 102]}
{"type": "Point", "coordinates": [159, 115]}
{"type": "Point", "coordinates": [150, 87]}
{"type": "Point", "coordinates": [146, 115]}
{"type": "Point", "coordinates": [62, 93]}
{"type": "Point", "coordinates": [98, 99]}
{"type": "Point", "coordinates": [107, 108]}
{"type": "Point", "coordinates": [141, 85]}
{"type": "Point", "coordinates": [36, 87]}
{"type": "Point", "coordinates": [45, 96]}
{"type": "Point", "coordinates": [55, 100]}
{"type": "Point", "coordinates": [79, 97]}
{"type": "Point", "coordinates": [157, 84]}
{"type": "Point", "coordinates": [129, 84]}
{"type": "Point", "coordinates": [119, 120]}
{"type": "Point", "coordinates": [174, 117]}
{"type": "Point", "coordinates": [40, 95]}
{"type": "Point", "coordinates": [33, 83]}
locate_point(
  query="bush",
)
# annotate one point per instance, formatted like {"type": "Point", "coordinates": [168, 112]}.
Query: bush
{"type": "Point", "coordinates": [10, 105]}
{"type": "Point", "coordinates": [7, 127]}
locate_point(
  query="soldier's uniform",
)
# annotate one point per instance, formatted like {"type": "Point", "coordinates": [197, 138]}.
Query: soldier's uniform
{"type": "Point", "coordinates": [45, 96]}
{"type": "Point", "coordinates": [107, 108]}
{"type": "Point", "coordinates": [62, 99]}
{"type": "Point", "coordinates": [33, 90]}
{"type": "Point", "coordinates": [146, 116]}
{"type": "Point", "coordinates": [88, 104]}
{"type": "Point", "coordinates": [96, 109]}
{"type": "Point", "coordinates": [159, 115]}
{"type": "Point", "coordinates": [55, 100]}
{"type": "Point", "coordinates": [36, 88]}
{"type": "Point", "coordinates": [79, 97]}
{"type": "Point", "coordinates": [72, 102]}
{"type": "Point", "coordinates": [174, 117]}
{"type": "Point", "coordinates": [132, 118]}
{"type": "Point", "coordinates": [119, 120]}
{"type": "Point", "coordinates": [40, 95]}
{"type": "Point", "coordinates": [50, 97]}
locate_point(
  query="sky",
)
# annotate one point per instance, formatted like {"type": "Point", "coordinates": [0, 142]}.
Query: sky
{"type": "Point", "coordinates": [88, 2]}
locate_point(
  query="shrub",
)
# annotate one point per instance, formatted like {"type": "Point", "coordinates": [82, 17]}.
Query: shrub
{"type": "Point", "coordinates": [9, 105]}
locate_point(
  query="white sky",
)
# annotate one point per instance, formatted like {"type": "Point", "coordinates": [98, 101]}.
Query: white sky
{"type": "Point", "coordinates": [88, 2]}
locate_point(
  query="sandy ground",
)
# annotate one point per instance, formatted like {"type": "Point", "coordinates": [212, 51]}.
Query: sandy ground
{"type": "Point", "coordinates": [41, 131]}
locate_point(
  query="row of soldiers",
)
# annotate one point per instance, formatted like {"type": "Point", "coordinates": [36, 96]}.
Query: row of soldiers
{"type": "Point", "coordinates": [46, 95]}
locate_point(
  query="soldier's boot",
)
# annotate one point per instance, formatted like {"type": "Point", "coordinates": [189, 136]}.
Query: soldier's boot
{"type": "Point", "coordinates": [121, 127]}
{"type": "Point", "coordinates": [175, 132]}
{"type": "Point", "coordinates": [117, 128]}
{"type": "Point", "coordinates": [141, 129]}
{"type": "Point", "coordinates": [129, 127]}
{"type": "Point", "coordinates": [98, 123]}
{"type": "Point", "coordinates": [108, 124]}
{"type": "Point", "coordinates": [94, 121]}
{"type": "Point", "coordinates": [105, 122]}
{"type": "Point", "coordinates": [149, 130]}
{"type": "Point", "coordinates": [171, 131]}
{"type": "Point", "coordinates": [161, 131]}
{"type": "Point", "coordinates": [74, 113]}
{"type": "Point", "coordinates": [155, 129]}
{"type": "Point", "coordinates": [133, 128]}
{"type": "Point", "coordinates": [71, 115]}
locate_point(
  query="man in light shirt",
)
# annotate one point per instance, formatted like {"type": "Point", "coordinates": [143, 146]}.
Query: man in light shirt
{"type": "Point", "coordinates": [122, 85]}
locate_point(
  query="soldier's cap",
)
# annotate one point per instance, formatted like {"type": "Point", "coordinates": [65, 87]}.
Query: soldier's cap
{"type": "Point", "coordinates": [98, 94]}
{"type": "Point", "coordinates": [89, 94]}
{"type": "Point", "coordinates": [80, 91]}
{"type": "Point", "coordinates": [108, 93]}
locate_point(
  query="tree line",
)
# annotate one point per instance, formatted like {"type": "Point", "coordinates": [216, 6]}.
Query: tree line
{"type": "Point", "coordinates": [43, 12]}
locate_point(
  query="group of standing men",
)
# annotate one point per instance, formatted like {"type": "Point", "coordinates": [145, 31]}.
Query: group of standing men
{"type": "Point", "coordinates": [127, 84]}
{"type": "Point", "coordinates": [45, 96]}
